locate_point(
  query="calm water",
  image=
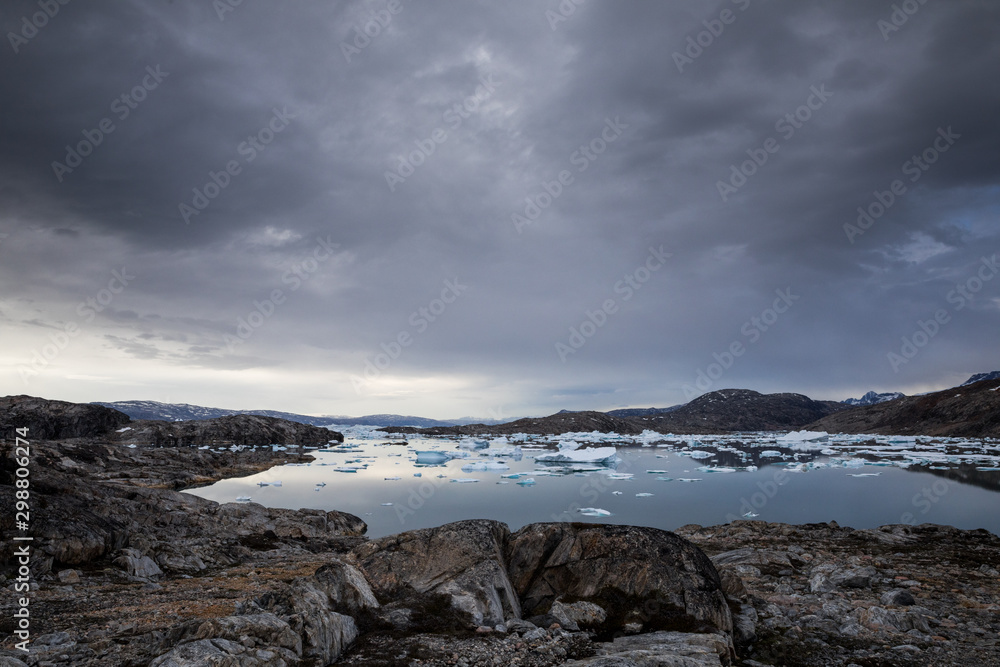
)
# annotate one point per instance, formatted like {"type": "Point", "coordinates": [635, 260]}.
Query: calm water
{"type": "Point", "coordinates": [800, 487]}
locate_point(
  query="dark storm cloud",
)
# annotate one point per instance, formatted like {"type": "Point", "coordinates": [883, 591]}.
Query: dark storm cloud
{"type": "Point", "coordinates": [304, 262]}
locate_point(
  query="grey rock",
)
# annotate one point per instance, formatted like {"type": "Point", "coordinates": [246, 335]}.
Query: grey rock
{"type": "Point", "coordinates": [267, 629]}
{"type": "Point", "coordinates": [854, 577]}
{"type": "Point", "coordinates": [672, 576]}
{"type": "Point", "coordinates": [464, 560]}
{"type": "Point", "coordinates": [68, 576]}
{"type": "Point", "coordinates": [897, 598]}
{"type": "Point", "coordinates": [660, 649]}
{"type": "Point", "coordinates": [576, 615]}
{"type": "Point", "coordinates": [520, 626]}
{"type": "Point", "coordinates": [346, 586]}
{"type": "Point", "coordinates": [138, 565]}
{"type": "Point", "coordinates": [224, 653]}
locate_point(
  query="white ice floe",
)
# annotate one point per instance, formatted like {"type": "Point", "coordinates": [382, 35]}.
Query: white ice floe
{"type": "Point", "coordinates": [464, 480]}
{"type": "Point", "coordinates": [657, 472]}
{"type": "Point", "coordinates": [685, 479]}
{"type": "Point", "coordinates": [592, 455]}
{"type": "Point", "coordinates": [243, 499]}
{"type": "Point", "coordinates": [643, 495]}
{"type": "Point", "coordinates": [526, 482]}
{"type": "Point", "coordinates": [481, 466]}
{"type": "Point", "coordinates": [698, 454]}
{"type": "Point", "coordinates": [804, 441]}
{"type": "Point", "coordinates": [864, 474]}
{"type": "Point", "coordinates": [433, 457]}
{"type": "Point", "coordinates": [771, 453]}
{"type": "Point", "coordinates": [593, 511]}
{"type": "Point", "coordinates": [616, 493]}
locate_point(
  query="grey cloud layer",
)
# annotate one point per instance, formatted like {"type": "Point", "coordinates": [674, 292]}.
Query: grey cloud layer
{"type": "Point", "coordinates": [348, 120]}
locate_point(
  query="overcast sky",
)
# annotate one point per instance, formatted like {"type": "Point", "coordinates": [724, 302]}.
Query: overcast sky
{"type": "Point", "coordinates": [246, 208]}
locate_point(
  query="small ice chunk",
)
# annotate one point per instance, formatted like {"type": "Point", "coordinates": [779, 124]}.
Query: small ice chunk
{"type": "Point", "coordinates": [643, 495]}
{"type": "Point", "coordinates": [386, 504]}
{"type": "Point", "coordinates": [243, 499]}
{"type": "Point", "coordinates": [657, 472]}
{"type": "Point", "coordinates": [685, 479]}
{"type": "Point", "coordinates": [593, 511]}
{"type": "Point", "coordinates": [699, 454]}
{"type": "Point", "coordinates": [526, 482]}
{"type": "Point", "coordinates": [462, 480]}
{"type": "Point", "coordinates": [616, 493]}
{"type": "Point", "coordinates": [771, 453]}
{"type": "Point", "coordinates": [391, 479]}
{"type": "Point", "coordinates": [592, 455]}
{"type": "Point", "coordinates": [864, 474]}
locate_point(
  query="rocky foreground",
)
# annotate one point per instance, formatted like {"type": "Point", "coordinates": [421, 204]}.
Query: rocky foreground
{"type": "Point", "coordinates": [128, 571]}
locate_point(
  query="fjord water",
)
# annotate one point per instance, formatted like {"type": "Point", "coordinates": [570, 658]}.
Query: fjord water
{"type": "Point", "coordinates": [797, 488]}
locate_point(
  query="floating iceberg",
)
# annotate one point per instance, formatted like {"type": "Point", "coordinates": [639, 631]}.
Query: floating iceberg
{"type": "Point", "coordinates": [864, 474]}
{"type": "Point", "coordinates": [699, 454]}
{"type": "Point", "coordinates": [804, 441]}
{"type": "Point", "coordinates": [461, 480]}
{"type": "Point", "coordinates": [685, 479]}
{"type": "Point", "coordinates": [594, 455]}
{"type": "Point", "coordinates": [526, 482]}
{"type": "Point", "coordinates": [771, 453]}
{"type": "Point", "coordinates": [243, 499]}
{"type": "Point", "coordinates": [481, 466]}
{"type": "Point", "coordinates": [643, 495]}
{"type": "Point", "coordinates": [433, 457]}
{"type": "Point", "coordinates": [593, 511]}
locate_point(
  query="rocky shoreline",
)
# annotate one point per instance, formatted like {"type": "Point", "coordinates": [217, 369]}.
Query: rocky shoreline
{"type": "Point", "coordinates": [128, 571]}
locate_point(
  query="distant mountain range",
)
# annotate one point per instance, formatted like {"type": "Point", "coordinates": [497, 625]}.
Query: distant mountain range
{"type": "Point", "coordinates": [722, 411]}
{"type": "Point", "coordinates": [969, 410]}
{"type": "Point", "coordinates": [154, 410]}
{"type": "Point", "coordinates": [871, 398]}
{"type": "Point", "coordinates": [979, 377]}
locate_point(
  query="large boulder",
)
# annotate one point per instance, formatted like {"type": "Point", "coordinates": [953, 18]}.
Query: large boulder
{"type": "Point", "coordinates": [463, 561]}
{"type": "Point", "coordinates": [646, 577]}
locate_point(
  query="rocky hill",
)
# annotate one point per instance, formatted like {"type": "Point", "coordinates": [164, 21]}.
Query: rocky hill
{"type": "Point", "coordinates": [970, 411]}
{"type": "Point", "coordinates": [729, 410]}
{"type": "Point", "coordinates": [561, 422]}
{"type": "Point", "coordinates": [56, 420]}
{"type": "Point", "coordinates": [60, 420]}
{"type": "Point", "coordinates": [233, 430]}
